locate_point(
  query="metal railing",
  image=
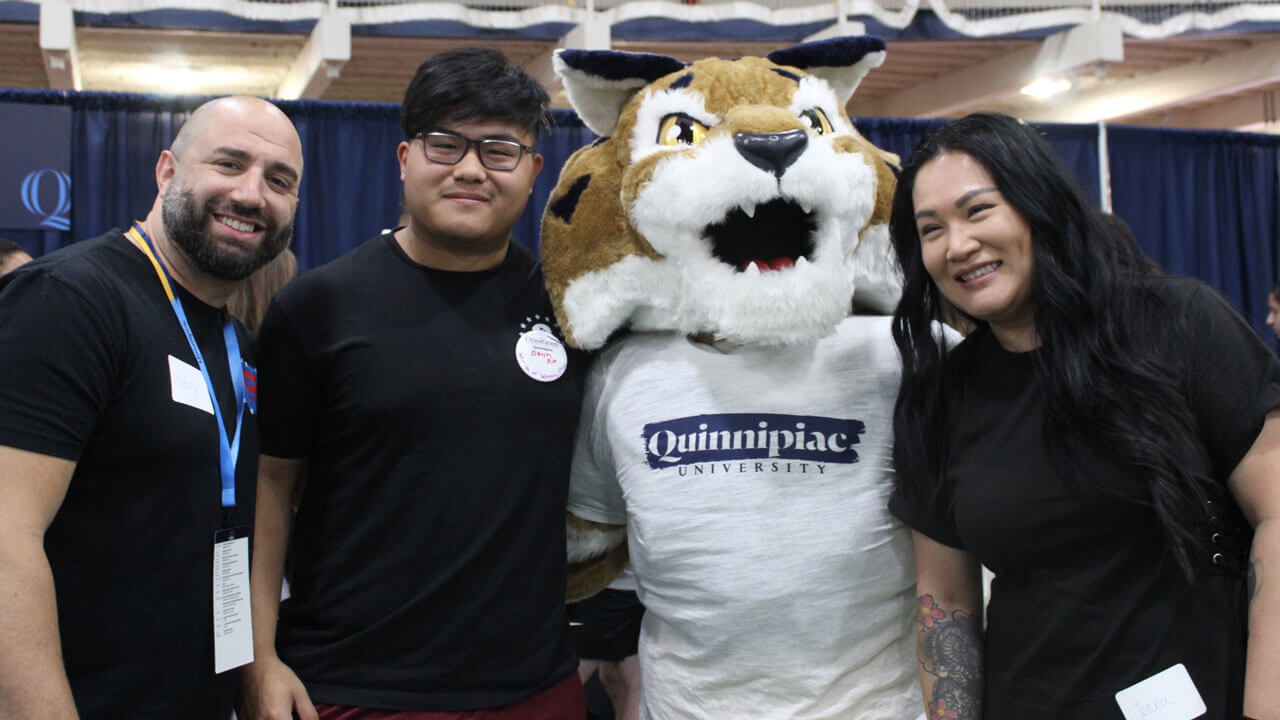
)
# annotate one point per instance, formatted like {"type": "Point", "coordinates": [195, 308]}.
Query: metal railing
{"type": "Point", "coordinates": [975, 18]}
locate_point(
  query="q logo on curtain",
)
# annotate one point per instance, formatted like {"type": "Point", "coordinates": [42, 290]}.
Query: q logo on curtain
{"type": "Point", "coordinates": [35, 178]}
{"type": "Point", "coordinates": [55, 214]}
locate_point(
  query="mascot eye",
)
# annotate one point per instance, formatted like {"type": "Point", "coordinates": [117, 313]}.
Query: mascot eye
{"type": "Point", "coordinates": [680, 129]}
{"type": "Point", "coordinates": [816, 120]}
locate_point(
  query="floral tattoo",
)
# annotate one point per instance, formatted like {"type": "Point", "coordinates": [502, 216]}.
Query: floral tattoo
{"type": "Point", "coordinates": [950, 650]}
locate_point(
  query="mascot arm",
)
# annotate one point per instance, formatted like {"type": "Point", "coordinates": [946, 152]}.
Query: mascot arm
{"type": "Point", "coordinates": [597, 555]}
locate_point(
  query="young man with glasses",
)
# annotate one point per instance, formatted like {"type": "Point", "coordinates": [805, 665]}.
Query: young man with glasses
{"type": "Point", "coordinates": [425, 397]}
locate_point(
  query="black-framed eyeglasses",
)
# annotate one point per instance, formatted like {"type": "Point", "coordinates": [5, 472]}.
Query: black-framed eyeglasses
{"type": "Point", "coordinates": [449, 148]}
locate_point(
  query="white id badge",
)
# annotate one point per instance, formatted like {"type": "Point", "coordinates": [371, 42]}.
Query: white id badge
{"type": "Point", "coordinates": [1167, 695]}
{"type": "Point", "coordinates": [232, 621]}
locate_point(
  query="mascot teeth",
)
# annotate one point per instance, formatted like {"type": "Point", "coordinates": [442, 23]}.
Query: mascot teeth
{"type": "Point", "coordinates": [750, 210]}
{"type": "Point", "coordinates": [753, 267]}
{"type": "Point", "coordinates": [773, 236]}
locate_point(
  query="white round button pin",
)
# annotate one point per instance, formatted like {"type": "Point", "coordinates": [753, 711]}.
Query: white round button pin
{"type": "Point", "coordinates": [541, 355]}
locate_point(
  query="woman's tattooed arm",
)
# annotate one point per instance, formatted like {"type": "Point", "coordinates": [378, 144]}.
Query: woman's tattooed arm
{"type": "Point", "coordinates": [949, 647]}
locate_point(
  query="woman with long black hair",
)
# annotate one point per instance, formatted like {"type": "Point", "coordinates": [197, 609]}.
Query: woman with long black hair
{"type": "Point", "coordinates": [1106, 440]}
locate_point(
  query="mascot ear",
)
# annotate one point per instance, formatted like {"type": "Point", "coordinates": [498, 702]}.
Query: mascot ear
{"type": "Point", "coordinates": [841, 61]}
{"type": "Point", "coordinates": [599, 82]}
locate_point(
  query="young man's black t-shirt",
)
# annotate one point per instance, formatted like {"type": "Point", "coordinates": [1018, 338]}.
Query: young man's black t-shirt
{"type": "Point", "coordinates": [428, 552]}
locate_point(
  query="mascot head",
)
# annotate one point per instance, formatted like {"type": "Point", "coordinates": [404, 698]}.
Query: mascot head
{"type": "Point", "coordinates": [726, 198]}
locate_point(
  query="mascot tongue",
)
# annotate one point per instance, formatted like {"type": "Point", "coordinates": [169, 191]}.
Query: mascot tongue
{"type": "Point", "coordinates": [778, 263]}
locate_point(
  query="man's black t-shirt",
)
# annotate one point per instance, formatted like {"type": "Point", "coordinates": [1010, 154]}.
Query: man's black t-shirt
{"type": "Point", "coordinates": [428, 553]}
{"type": "Point", "coordinates": [88, 354]}
{"type": "Point", "coordinates": [1088, 598]}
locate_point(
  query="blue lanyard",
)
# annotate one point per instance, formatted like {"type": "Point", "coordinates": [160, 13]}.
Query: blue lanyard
{"type": "Point", "coordinates": [229, 449]}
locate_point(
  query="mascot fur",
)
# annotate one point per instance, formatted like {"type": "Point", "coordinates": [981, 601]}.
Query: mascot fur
{"type": "Point", "coordinates": [735, 443]}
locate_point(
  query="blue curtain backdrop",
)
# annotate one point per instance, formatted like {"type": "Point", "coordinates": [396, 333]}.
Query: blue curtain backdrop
{"type": "Point", "coordinates": [1204, 204]}
{"type": "Point", "coordinates": [1200, 203]}
{"type": "Point", "coordinates": [350, 176]}
{"type": "Point", "coordinates": [1076, 144]}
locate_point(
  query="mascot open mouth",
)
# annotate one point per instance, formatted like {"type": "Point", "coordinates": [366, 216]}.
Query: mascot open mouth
{"type": "Point", "coordinates": [778, 235]}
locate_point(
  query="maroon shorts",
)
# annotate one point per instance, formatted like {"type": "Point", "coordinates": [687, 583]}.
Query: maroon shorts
{"type": "Point", "coordinates": [562, 701]}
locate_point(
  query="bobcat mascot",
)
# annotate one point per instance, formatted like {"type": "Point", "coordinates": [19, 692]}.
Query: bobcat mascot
{"type": "Point", "coordinates": [737, 439]}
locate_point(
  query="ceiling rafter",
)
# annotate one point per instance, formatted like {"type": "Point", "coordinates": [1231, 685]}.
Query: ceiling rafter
{"type": "Point", "coordinates": [1194, 81]}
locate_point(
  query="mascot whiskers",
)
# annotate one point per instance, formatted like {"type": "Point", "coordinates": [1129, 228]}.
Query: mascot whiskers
{"type": "Point", "coordinates": [736, 433]}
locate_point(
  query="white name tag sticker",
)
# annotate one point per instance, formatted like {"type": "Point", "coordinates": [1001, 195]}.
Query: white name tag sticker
{"type": "Point", "coordinates": [1167, 695]}
{"type": "Point", "coordinates": [188, 385]}
{"type": "Point", "coordinates": [232, 621]}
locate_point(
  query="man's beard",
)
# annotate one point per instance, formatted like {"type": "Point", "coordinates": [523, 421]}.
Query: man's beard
{"type": "Point", "coordinates": [187, 226]}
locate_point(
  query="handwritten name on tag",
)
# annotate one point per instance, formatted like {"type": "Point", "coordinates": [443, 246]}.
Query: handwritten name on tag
{"type": "Point", "coordinates": [188, 386]}
{"type": "Point", "coordinates": [1168, 695]}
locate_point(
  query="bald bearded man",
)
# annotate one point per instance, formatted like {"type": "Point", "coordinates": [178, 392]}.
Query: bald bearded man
{"type": "Point", "coordinates": [128, 460]}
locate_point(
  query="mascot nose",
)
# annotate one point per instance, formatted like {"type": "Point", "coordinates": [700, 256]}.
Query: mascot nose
{"type": "Point", "coordinates": [772, 152]}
